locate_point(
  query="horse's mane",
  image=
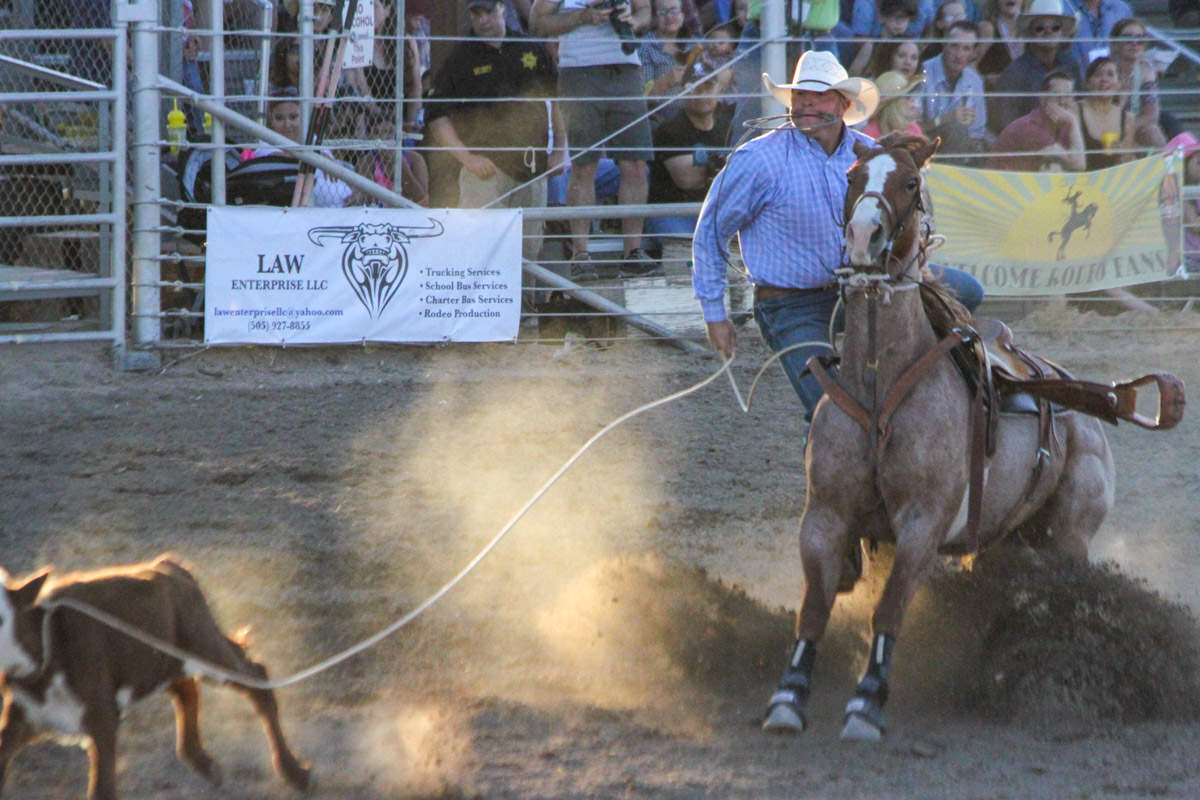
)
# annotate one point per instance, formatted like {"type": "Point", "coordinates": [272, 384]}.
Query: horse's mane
{"type": "Point", "coordinates": [942, 307]}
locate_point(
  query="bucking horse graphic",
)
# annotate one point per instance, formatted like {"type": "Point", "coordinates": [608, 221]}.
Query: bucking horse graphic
{"type": "Point", "coordinates": [374, 261]}
{"type": "Point", "coordinates": [1077, 219]}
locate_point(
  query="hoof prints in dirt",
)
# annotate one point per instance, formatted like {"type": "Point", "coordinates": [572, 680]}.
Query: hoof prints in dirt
{"type": "Point", "coordinates": [1065, 642]}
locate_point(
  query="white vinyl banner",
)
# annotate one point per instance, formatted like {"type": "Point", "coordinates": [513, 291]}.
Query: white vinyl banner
{"type": "Point", "coordinates": [335, 275]}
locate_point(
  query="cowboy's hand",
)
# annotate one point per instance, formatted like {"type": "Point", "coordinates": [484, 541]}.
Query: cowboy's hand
{"type": "Point", "coordinates": [480, 166]}
{"type": "Point", "coordinates": [723, 337]}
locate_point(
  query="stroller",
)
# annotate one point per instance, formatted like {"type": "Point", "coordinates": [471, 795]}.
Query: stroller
{"type": "Point", "coordinates": [265, 180]}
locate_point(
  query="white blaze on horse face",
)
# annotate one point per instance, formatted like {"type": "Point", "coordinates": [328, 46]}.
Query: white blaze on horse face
{"type": "Point", "coordinates": [866, 230]}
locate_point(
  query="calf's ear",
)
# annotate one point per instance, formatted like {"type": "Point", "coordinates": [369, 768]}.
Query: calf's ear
{"type": "Point", "coordinates": [25, 594]}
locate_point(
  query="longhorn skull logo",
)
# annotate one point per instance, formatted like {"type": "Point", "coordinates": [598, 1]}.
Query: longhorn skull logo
{"type": "Point", "coordinates": [374, 260]}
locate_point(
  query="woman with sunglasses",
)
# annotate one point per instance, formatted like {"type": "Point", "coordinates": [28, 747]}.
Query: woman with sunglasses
{"type": "Point", "coordinates": [1139, 80]}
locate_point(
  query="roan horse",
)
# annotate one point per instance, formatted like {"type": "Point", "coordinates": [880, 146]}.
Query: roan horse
{"type": "Point", "coordinates": [897, 465]}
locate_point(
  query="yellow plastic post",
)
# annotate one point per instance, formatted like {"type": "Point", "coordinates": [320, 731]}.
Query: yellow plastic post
{"type": "Point", "coordinates": [176, 127]}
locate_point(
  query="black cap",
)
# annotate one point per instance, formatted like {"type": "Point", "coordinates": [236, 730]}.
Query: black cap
{"type": "Point", "coordinates": [483, 3]}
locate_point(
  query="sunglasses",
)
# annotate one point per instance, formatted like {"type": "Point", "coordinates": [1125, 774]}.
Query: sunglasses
{"type": "Point", "coordinates": [1050, 27]}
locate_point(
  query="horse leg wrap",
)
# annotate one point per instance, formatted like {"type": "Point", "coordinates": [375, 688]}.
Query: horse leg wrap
{"type": "Point", "coordinates": [785, 709]}
{"type": "Point", "coordinates": [872, 690]}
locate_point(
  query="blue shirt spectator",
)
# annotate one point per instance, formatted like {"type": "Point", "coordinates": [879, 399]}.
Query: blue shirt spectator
{"type": "Point", "coordinates": [865, 21]}
{"type": "Point", "coordinates": [1094, 24]}
{"type": "Point", "coordinates": [953, 90]}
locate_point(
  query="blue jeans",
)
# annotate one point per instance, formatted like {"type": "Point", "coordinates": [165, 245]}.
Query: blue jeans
{"type": "Point", "coordinates": [969, 290]}
{"type": "Point", "coordinates": [791, 319]}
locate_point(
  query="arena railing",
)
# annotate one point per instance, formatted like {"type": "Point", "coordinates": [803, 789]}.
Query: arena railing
{"type": "Point", "coordinates": [62, 185]}
{"type": "Point", "coordinates": [664, 300]}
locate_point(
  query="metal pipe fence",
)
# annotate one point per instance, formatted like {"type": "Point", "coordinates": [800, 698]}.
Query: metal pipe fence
{"type": "Point", "coordinates": [222, 75]}
{"type": "Point", "coordinates": [62, 185]}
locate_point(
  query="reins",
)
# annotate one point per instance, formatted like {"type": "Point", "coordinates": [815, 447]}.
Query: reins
{"type": "Point", "coordinates": [877, 287]}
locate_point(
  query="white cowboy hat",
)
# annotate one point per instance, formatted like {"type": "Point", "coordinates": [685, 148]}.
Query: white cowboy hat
{"type": "Point", "coordinates": [1058, 9]}
{"type": "Point", "coordinates": [818, 71]}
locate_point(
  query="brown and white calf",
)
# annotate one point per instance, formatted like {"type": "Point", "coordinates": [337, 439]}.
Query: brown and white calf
{"type": "Point", "coordinates": [68, 675]}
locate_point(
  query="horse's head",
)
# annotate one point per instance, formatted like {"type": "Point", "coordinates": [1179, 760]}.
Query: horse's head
{"type": "Point", "coordinates": [883, 202]}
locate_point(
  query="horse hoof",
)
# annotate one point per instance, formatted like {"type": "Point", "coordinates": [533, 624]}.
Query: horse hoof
{"type": "Point", "coordinates": [784, 715]}
{"type": "Point", "coordinates": [860, 729]}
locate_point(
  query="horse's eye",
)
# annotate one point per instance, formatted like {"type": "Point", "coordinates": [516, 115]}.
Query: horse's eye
{"type": "Point", "coordinates": [912, 184]}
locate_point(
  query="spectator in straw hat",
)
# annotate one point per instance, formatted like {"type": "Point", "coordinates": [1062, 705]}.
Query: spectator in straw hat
{"type": "Point", "coordinates": [899, 109]}
{"type": "Point", "coordinates": [1049, 26]}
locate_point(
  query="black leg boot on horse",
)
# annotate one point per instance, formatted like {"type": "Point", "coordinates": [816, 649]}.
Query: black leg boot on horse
{"type": "Point", "coordinates": [864, 712]}
{"type": "Point", "coordinates": [785, 711]}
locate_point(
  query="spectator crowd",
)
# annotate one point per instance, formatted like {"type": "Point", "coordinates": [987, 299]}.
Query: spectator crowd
{"type": "Point", "coordinates": [585, 102]}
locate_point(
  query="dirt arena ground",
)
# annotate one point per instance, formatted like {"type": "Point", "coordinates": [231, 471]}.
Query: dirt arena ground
{"type": "Point", "coordinates": [623, 638]}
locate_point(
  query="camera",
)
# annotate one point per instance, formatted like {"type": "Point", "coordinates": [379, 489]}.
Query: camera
{"type": "Point", "coordinates": [623, 29]}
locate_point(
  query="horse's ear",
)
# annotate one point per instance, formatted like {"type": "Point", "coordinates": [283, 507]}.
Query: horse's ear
{"type": "Point", "coordinates": [861, 149]}
{"type": "Point", "coordinates": [925, 152]}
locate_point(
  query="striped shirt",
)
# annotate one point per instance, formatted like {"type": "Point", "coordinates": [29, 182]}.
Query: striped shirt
{"type": "Point", "coordinates": [590, 45]}
{"type": "Point", "coordinates": [783, 197]}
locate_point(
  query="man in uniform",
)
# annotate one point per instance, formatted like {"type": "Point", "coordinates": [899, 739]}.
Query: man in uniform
{"type": "Point", "coordinates": [492, 105]}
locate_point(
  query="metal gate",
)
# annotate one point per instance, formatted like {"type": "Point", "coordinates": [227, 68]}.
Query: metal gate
{"type": "Point", "coordinates": [62, 175]}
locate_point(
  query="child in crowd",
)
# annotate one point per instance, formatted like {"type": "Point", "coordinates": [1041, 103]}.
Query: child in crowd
{"type": "Point", "coordinates": [901, 55]}
{"type": "Point", "coordinates": [899, 108]}
{"type": "Point", "coordinates": [1190, 146]}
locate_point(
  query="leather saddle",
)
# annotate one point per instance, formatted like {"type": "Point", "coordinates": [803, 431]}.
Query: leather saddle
{"type": "Point", "coordinates": [1015, 372]}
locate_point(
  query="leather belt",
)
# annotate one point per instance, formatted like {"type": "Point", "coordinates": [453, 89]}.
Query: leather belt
{"type": "Point", "coordinates": [763, 291]}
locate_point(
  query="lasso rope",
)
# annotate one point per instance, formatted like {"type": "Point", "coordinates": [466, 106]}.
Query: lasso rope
{"type": "Point", "coordinates": [206, 668]}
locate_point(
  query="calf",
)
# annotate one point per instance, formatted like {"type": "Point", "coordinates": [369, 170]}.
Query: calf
{"type": "Point", "coordinates": [68, 674]}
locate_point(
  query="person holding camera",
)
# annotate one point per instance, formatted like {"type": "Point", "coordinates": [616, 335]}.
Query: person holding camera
{"type": "Point", "coordinates": [598, 62]}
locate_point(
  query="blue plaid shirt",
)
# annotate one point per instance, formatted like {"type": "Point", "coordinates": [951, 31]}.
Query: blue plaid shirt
{"type": "Point", "coordinates": [783, 197]}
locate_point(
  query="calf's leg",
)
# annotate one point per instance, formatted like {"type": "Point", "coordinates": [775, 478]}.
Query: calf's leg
{"type": "Point", "coordinates": [185, 695]}
{"type": "Point", "coordinates": [15, 731]}
{"type": "Point", "coordinates": [286, 763]}
{"type": "Point", "coordinates": [100, 724]}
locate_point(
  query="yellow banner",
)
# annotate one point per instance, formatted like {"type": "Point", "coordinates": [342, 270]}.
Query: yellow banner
{"type": "Point", "coordinates": [1037, 233]}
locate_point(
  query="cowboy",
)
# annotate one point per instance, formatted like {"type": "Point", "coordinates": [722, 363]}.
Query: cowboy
{"type": "Point", "coordinates": [782, 194]}
{"type": "Point", "coordinates": [1050, 28]}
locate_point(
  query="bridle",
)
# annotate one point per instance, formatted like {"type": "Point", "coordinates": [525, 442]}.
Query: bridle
{"type": "Point", "coordinates": [849, 276]}
{"type": "Point", "coordinates": [875, 419]}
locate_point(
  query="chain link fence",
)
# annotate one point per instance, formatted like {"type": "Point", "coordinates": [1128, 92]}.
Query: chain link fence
{"type": "Point", "coordinates": [59, 164]}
